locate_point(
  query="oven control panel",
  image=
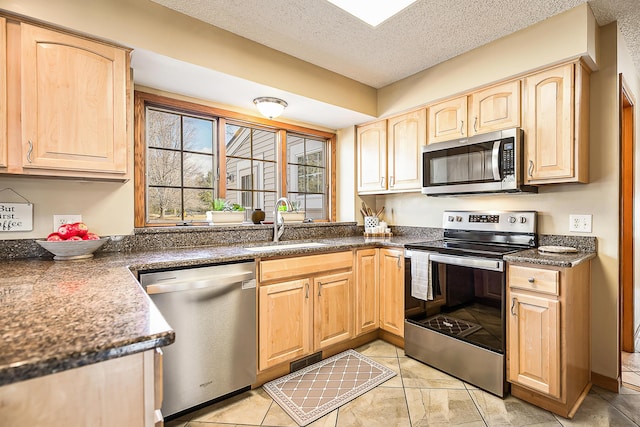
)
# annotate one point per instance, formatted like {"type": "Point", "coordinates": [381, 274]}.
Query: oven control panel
{"type": "Point", "coordinates": [484, 218]}
{"type": "Point", "coordinates": [514, 221]}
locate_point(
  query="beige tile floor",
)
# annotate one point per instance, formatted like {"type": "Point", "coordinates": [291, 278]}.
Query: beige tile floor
{"type": "Point", "coordinates": [631, 370]}
{"type": "Point", "coordinates": [420, 396]}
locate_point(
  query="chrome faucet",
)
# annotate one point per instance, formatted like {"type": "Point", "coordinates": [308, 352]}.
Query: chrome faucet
{"type": "Point", "coordinates": [278, 229]}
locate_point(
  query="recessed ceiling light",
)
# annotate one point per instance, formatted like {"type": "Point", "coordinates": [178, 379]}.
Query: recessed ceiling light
{"type": "Point", "coordinates": [373, 12]}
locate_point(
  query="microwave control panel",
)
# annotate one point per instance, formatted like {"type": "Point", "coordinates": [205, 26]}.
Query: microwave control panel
{"type": "Point", "coordinates": [508, 158]}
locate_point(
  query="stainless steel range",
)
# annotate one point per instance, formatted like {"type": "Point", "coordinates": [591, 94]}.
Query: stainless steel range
{"type": "Point", "coordinates": [455, 296]}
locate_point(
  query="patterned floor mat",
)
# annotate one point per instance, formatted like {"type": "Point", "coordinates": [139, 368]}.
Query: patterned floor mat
{"type": "Point", "coordinates": [316, 390]}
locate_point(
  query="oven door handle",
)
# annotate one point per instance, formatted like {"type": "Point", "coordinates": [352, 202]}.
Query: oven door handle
{"type": "Point", "coordinates": [472, 262]}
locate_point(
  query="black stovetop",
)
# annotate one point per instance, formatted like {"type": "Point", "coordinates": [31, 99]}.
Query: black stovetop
{"type": "Point", "coordinates": [456, 247]}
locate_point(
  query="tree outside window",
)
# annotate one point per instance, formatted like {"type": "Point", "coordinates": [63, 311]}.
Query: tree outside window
{"type": "Point", "coordinates": [180, 166]}
{"type": "Point", "coordinates": [307, 175]}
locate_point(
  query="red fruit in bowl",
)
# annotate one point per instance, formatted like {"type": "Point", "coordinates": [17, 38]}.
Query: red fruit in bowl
{"type": "Point", "coordinates": [79, 229]}
{"type": "Point", "coordinates": [91, 236]}
{"type": "Point", "coordinates": [75, 238]}
{"type": "Point", "coordinates": [65, 231]}
{"type": "Point", "coordinates": [54, 237]}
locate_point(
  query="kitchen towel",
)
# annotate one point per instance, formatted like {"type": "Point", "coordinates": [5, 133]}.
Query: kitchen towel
{"type": "Point", "coordinates": [421, 286]}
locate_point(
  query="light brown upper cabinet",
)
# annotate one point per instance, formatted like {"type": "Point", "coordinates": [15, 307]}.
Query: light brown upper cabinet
{"type": "Point", "coordinates": [447, 120]}
{"type": "Point", "coordinates": [372, 157]}
{"type": "Point", "coordinates": [389, 153]}
{"type": "Point", "coordinates": [70, 113]}
{"type": "Point", "coordinates": [556, 125]}
{"type": "Point", "coordinates": [406, 134]}
{"type": "Point", "coordinates": [3, 92]}
{"type": "Point", "coordinates": [495, 108]}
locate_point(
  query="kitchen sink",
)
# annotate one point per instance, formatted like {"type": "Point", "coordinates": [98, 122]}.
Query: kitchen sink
{"type": "Point", "coordinates": [280, 246]}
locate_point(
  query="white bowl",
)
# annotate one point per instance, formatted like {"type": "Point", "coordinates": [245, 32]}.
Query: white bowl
{"type": "Point", "coordinates": [72, 249]}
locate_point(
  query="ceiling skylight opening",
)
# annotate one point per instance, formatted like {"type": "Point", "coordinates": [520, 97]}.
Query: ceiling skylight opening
{"type": "Point", "coordinates": [373, 12]}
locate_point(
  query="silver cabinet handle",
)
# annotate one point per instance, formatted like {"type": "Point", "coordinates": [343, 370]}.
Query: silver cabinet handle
{"type": "Point", "coordinates": [475, 124]}
{"type": "Point", "coordinates": [306, 291]}
{"type": "Point", "coordinates": [30, 151]}
{"type": "Point", "coordinates": [382, 182]}
{"type": "Point", "coordinates": [530, 168]}
{"type": "Point", "coordinates": [319, 289]}
{"type": "Point", "coordinates": [392, 181]}
{"type": "Point", "coordinates": [531, 279]}
{"type": "Point", "coordinates": [514, 301]}
{"type": "Point", "coordinates": [461, 126]}
{"type": "Point", "coordinates": [399, 265]}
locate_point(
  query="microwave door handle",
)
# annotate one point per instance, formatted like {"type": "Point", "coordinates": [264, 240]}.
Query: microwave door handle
{"type": "Point", "coordinates": [495, 161]}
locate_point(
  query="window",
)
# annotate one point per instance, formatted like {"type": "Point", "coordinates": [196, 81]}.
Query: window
{"type": "Point", "coordinates": [180, 165]}
{"type": "Point", "coordinates": [188, 154]}
{"type": "Point", "coordinates": [307, 175]}
{"type": "Point", "coordinates": [251, 165]}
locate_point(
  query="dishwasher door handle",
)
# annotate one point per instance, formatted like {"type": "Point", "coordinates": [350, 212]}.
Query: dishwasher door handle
{"type": "Point", "coordinates": [202, 283]}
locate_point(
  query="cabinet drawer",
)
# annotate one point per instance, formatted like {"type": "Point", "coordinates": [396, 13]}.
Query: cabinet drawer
{"type": "Point", "coordinates": [305, 265]}
{"type": "Point", "coordinates": [534, 279]}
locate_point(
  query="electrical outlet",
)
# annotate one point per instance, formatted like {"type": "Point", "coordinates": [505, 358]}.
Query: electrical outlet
{"type": "Point", "coordinates": [580, 223]}
{"type": "Point", "coordinates": [59, 220]}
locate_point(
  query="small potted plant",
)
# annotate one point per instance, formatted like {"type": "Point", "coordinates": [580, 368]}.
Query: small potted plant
{"type": "Point", "coordinates": [224, 212]}
{"type": "Point", "coordinates": [294, 215]}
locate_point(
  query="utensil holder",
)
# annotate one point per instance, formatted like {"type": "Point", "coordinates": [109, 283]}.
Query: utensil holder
{"type": "Point", "coordinates": [371, 221]}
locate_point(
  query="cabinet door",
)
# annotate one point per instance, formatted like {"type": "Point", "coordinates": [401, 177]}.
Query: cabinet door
{"type": "Point", "coordinates": [447, 120]}
{"type": "Point", "coordinates": [333, 309]}
{"type": "Point", "coordinates": [367, 301]}
{"type": "Point", "coordinates": [392, 291]}
{"type": "Point", "coordinates": [372, 157]}
{"type": "Point", "coordinates": [74, 103]}
{"type": "Point", "coordinates": [110, 393]}
{"type": "Point", "coordinates": [406, 136]}
{"type": "Point", "coordinates": [284, 327]}
{"type": "Point", "coordinates": [495, 108]}
{"type": "Point", "coordinates": [534, 343]}
{"type": "Point", "coordinates": [3, 93]}
{"type": "Point", "coordinates": [549, 125]}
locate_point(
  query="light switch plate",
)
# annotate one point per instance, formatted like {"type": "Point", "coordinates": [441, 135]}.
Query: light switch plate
{"type": "Point", "coordinates": [580, 223]}
{"type": "Point", "coordinates": [59, 220]}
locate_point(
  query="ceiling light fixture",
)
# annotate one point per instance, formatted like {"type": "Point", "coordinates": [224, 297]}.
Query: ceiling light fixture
{"type": "Point", "coordinates": [373, 12]}
{"type": "Point", "coordinates": [270, 107]}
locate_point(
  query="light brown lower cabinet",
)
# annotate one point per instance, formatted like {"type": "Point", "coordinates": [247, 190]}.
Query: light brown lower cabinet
{"type": "Point", "coordinates": [305, 305]}
{"type": "Point", "coordinates": [392, 291]}
{"type": "Point", "coordinates": [367, 306]}
{"type": "Point", "coordinates": [379, 291]}
{"type": "Point", "coordinates": [117, 392]}
{"type": "Point", "coordinates": [549, 335]}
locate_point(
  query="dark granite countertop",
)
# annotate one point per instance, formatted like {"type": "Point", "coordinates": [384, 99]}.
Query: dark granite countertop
{"type": "Point", "coordinates": [58, 315]}
{"type": "Point", "coordinates": [533, 256]}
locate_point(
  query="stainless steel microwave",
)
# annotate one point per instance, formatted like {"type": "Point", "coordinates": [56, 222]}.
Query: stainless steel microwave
{"type": "Point", "coordinates": [488, 163]}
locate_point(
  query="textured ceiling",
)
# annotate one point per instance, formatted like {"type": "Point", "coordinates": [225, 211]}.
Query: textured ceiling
{"type": "Point", "coordinates": [422, 35]}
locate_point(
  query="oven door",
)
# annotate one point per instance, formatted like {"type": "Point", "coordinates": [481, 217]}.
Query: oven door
{"type": "Point", "coordinates": [471, 299]}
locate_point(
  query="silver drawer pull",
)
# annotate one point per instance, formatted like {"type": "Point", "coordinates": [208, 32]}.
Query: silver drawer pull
{"type": "Point", "coordinates": [531, 280]}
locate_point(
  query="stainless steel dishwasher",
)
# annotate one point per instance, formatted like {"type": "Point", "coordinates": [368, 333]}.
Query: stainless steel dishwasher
{"type": "Point", "coordinates": [213, 312]}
